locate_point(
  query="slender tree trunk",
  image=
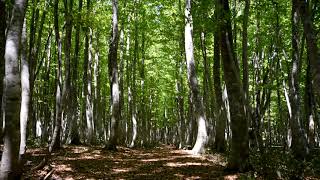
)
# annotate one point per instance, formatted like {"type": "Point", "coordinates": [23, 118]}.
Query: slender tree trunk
{"type": "Point", "coordinates": [9, 161]}
{"type": "Point", "coordinates": [121, 86]}
{"type": "Point", "coordinates": [47, 113]}
{"type": "Point", "coordinates": [31, 56]}
{"type": "Point", "coordinates": [55, 142]}
{"type": "Point", "coordinates": [179, 84]}
{"type": "Point", "coordinates": [193, 84]}
{"type": "Point", "coordinates": [142, 110]}
{"type": "Point", "coordinates": [88, 97]}
{"type": "Point", "coordinates": [239, 125]}
{"type": "Point", "coordinates": [75, 137]}
{"type": "Point", "coordinates": [129, 99]}
{"type": "Point", "coordinates": [87, 78]}
{"type": "Point", "coordinates": [133, 82]}
{"type": "Point", "coordinates": [3, 27]}
{"type": "Point", "coordinates": [245, 69]}
{"type": "Point", "coordinates": [25, 95]}
{"type": "Point", "coordinates": [97, 89]}
{"type": "Point", "coordinates": [113, 76]}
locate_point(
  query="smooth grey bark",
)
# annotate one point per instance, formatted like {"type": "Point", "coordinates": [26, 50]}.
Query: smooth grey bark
{"type": "Point", "coordinates": [121, 85]}
{"type": "Point", "coordinates": [239, 124]}
{"type": "Point", "coordinates": [97, 108]}
{"type": "Point", "coordinates": [299, 143]}
{"type": "Point", "coordinates": [9, 161]}
{"type": "Point", "coordinates": [25, 95]}
{"type": "Point", "coordinates": [88, 97]}
{"type": "Point", "coordinates": [142, 106]}
{"type": "Point", "coordinates": [55, 142]}
{"type": "Point", "coordinates": [66, 90]}
{"type": "Point", "coordinates": [113, 77]}
{"type": "Point", "coordinates": [133, 89]}
{"type": "Point", "coordinates": [129, 99]}
{"type": "Point", "coordinates": [202, 136]}
{"type": "Point", "coordinates": [87, 78]}
{"type": "Point", "coordinates": [3, 27]}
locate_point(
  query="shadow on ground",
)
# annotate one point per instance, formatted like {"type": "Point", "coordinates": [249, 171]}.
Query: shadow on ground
{"type": "Point", "coordinates": [81, 162]}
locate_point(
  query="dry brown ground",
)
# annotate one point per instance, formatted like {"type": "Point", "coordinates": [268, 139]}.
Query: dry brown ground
{"type": "Point", "coordinates": [165, 162]}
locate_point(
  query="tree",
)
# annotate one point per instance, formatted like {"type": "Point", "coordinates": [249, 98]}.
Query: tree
{"type": "Point", "coordinates": [219, 144]}
{"type": "Point", "coordinates": [113, 76]}
{"type": "Point", "coordinates": [239, 124]}
{"type": "Point", "coordinates": [245, 68]}
{"type": "Point", "coordinates": [312, 47]}
{"type": "Point", "coordinates": [299, 143]}
{"type": "Point", "coordinates": [87, 79]}
{"type": "Point", "coordinates": [55, 142]}
{"type": "Point", "coordinates": [3, 27]}
{"type": "Point", "coordinates": [75, 139]}
{"type": "Point", "coordinates": [9, 161]}
{"type": "Point", "coordinates": [193, 84]}
{"type": "Point", "coordinates": [25, 95]}
{"type": "Point", "coordinates": [66, 90]}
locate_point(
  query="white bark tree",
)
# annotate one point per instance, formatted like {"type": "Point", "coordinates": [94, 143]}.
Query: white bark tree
{"type": "Point", "coordinates": [114, 82]}
{"type": "Point", "coordinates": [9, 162]}
{"type": "Point", "coordinates": [25, 95]}
{"type": "Point", "coordinates": [193, 84]}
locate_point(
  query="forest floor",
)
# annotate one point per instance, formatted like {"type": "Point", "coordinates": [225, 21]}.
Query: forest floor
{"type": "Point", "coordinates": [165, 162]}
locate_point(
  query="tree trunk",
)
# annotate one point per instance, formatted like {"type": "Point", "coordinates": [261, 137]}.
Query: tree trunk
{"type": "Point", "coordinates": [25, 95]}
{"type": "Point", "coordinates": [142, 106]}
{"type": "Point", "coordinates": [87, 78]}
{"type": "Point", "coordinates": [55, 142]}
{"type": "Point", "coordinates": [180, 85]}
{"type": "Point", "coordinates": [66, 90]}
{"type": "Point", "coordinates": [193, 84]}
{"type": "Point", "coordinates": [31, 57]}
{"type": "Point", "coordinates": [299, 145]}
{"type": "Point", "coordinates": [312, 47]}
{"type": "Point", "coordinates": [309, 107]}
{"type": "Point", "coordinates": [9, 161]}
{"type": "Point", "coordinates": [113, 76]}
{"type": "Point", "coordinates": [133, 93]}
{"type": "Point", "coordinates": [75, 137]}
{"type": "Point", "coordinates": [47, 113]}
{"type": "Point", "coordinates": [239, 125]}
{"type": "Point", "coordinates": [88, 96]}
{"type": "Point", "coordinates": [245, 66]}
{"type": "Point", "coordinates": [3, 27]}
{"type": "Point", "coordinates": [97, 111]}
{"type": "Point", "coordinates": [220, 144]}
{"type": "Point", "coordinates": [121, 86]}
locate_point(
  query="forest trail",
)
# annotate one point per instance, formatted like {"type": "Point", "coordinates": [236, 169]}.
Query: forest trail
{"type": "Point", "coordinates": [165, 162]}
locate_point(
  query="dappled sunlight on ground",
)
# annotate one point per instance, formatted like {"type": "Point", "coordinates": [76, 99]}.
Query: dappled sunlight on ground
{"type": "Point", "coordinates": [80, 162]}
{"type": "Point", "coordinates": [186, 164]}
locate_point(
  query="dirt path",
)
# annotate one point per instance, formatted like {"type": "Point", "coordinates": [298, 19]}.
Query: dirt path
{"type": "Point", "coordinates": [80, 162]}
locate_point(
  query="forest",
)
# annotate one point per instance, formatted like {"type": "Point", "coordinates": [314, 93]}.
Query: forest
{"type": "Point", "coordinates": [168, 89]}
